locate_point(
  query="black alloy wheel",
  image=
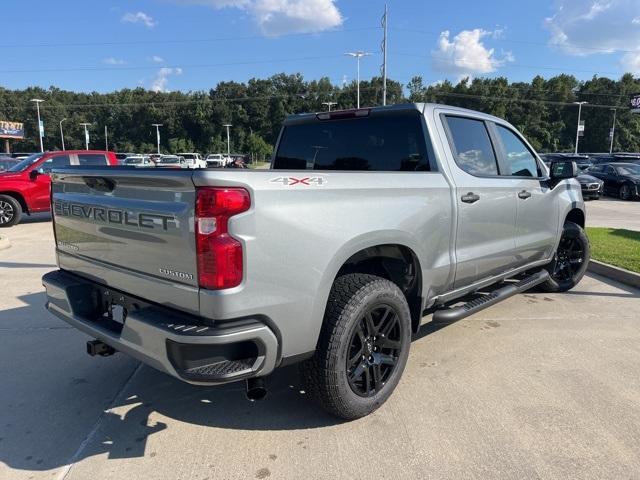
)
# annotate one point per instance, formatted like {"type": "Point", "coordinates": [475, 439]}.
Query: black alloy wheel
{"type": "Point", "coordinates": [374, 349]}
{"type": "Point", "coordinates": [569, 259]}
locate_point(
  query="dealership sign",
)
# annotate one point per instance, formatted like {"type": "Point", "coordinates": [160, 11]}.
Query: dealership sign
{"type": "Point", "coordinates": [11, 129]}
{"type": "Point", "coordinates": [634, 103]}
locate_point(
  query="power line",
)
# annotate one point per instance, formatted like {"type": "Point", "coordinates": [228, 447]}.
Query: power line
{"type": "Point", "coordinates": [516, 65]}
{"type": "Point", "coordinates": [176, 41]}
{"type": "Point", "coordinates": [298, 95]}
{"type": "Point", "coordinates": [168, 103]}
{"type": "Point", "coordinates": [595, 49]}
{"type": "Point", "coordinates": [155, 67]}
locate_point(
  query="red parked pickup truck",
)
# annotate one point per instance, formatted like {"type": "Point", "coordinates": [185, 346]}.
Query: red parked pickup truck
{"type": "Point", "coordinates": [24, 187]}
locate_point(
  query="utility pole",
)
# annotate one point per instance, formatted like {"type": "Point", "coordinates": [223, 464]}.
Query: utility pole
{"type": "Point", "coordinates": [613, 130]}
{"type": "Point", "coordinates": [329, 104]}
{"type": "Point", "coordinates": [578, 129]}
{"type": "Point", "coordinates": [358, 55]}
{"type": "Point", "coordinates": [106, 138]}
{"type": "Point", "coordinates": [38, 101]}
{"type": "Point", "coordinates": [228, 139]}
{"type": "Point", "coordinates": [62, 133]}
{"type": "Point", "coordinates": [384, 55]}
{"type": "Point", "coordinates": [86, 135]}
{"type": "Point", "coordinates": [157, 125]}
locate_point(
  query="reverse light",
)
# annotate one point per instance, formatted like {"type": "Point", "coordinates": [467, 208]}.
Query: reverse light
{"type": "Point", "coordinates": [219, 255]}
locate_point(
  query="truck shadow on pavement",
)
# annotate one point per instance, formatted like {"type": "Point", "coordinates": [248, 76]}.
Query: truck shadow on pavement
{"type": "Point", "coordinates": [80, 407]}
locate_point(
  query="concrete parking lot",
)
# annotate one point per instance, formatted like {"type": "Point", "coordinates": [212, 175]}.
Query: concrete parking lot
{"type": "Point", "coordinates": [540, 386]}
{"type": "Point", "coordinates": [613, 213]}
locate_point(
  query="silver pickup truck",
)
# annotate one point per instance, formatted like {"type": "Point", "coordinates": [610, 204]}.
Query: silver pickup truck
{"type": "Point", "coordinates": [367, 220]}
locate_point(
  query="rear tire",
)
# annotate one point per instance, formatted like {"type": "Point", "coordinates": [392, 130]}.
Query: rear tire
{"type": "Point", "coordinates": [570, 261]}
{"type": "Point", "coordinates": [363, 346]}
{"type": "Point", "coordinates": [625, 192]}
{"type": "Point", "coordinates": [10, 211]}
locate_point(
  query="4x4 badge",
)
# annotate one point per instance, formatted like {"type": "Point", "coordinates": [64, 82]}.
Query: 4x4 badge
{"type": "Point", "coordinates": [302, 181]}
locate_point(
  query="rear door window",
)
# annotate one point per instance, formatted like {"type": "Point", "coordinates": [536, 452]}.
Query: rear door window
{"type": "Point", "coordinates": [471, 145]}
{"type": "Point", "coordinates": [92, 159]}
{"type": "Point", "coordinates": [376, 143]}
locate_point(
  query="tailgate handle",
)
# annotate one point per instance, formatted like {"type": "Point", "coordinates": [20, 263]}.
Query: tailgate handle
{"type": "Point", "coordinates": [101, 184]}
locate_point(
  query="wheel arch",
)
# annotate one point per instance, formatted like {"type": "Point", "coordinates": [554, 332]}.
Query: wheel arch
{"type": "Point", "coordinates": [395, 262]}
{"type": "Point", "coordinates": [577, 216]}
{"type": "Point", "coordinates": [19, 198]}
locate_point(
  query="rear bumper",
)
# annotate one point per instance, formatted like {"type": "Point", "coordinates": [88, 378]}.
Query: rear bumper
{"type": "Point", "coordinates": [178, 344]}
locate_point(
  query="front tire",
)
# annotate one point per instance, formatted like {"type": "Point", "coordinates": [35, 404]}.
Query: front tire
{"type": "Point", "coordinates": [363, 346]}
{"type": "Point", "coordinates": [570, 261]}
{"type": "Point", "coordinates": [10, 211]}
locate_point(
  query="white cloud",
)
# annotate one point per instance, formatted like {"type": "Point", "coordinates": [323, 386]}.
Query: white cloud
{"type": "Point", "coordinates": [113, 61]}
{"type": "Point", "coordinates": [466, 55]}
{"type": "Point", "coordinates": [630, 62]}
{"type": "Point", "coordinates": [280, 17]}
{"type": "Point", "coordinates": [161, 80]}
{"type": "Point", "coordinates": [581, 27]}
{"type": "Point", "coordinates": [156, 59]}
{"type": "Point", "coordinates": [140, 17]}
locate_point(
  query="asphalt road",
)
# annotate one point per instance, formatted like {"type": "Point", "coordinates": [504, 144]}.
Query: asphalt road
{"type": "Point", "coordinates": [539, 386]}
{"type": "Point", "coordinates": [613, 213]}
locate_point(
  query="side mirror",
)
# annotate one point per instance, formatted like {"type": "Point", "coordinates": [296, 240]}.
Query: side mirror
{"type": "Point", "coordinates": [563, 170]}
{"type": "Point", "coordinates": [33, 174]}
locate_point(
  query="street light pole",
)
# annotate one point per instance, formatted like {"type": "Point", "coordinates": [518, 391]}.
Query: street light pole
{"type": "Point", "coordinates": [613, 130]}
{"type": "Point", "coordinates": [157, 125]}
{"type": "Point", "coordinates": [86, 135]}
{"type": "Point", "coordinates": [228, 139]}
{"type": "Point", "coordinates": [38, 102]}
{"type": "Point", "coordinates": [385, 19]}
{"type": "Point", "coordinates": [329, 104]}
{"type": "Point", "coordinates": [578, 127]}
{"type": "Point", "coordinates": [106, 138]}
{"type": "Point", "coordinates": [62, 133]}
{"type": "Point", "coordinates": [358, 55]}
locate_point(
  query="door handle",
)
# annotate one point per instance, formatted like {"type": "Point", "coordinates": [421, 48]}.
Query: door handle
{"type": "Point", "coordinates": [470, 198]}
{"type": "Point", "coordinates": [524, 195]}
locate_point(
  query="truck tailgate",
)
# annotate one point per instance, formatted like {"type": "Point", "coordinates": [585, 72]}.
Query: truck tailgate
{"type": "Point", "coordinates": [128, 228]}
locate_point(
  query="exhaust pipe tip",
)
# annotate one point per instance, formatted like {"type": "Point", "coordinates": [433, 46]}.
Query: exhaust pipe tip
{"type": "Point", "coordinates": [256, 389]}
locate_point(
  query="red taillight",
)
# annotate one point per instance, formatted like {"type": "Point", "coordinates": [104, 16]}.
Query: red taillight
{"type": "Point", "coordinates": [220, 263]}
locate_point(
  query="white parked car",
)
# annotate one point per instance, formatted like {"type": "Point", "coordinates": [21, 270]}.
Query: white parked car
{"type": "Point", "coordinates": [171, 161]}
{"type": "Point", "coordinates": [193, 160]}
{"type": "Point", "coordinates": [217, 160]}
{"type": "Point", "coordinates": [138, 161]}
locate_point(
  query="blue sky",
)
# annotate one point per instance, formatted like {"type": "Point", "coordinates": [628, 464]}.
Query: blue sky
{"type": "Point", "coordinates": [194, 44]}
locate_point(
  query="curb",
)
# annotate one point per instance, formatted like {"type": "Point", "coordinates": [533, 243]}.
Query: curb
{"type": "Point", "coordinates": [4, 242]}
{"type": "Point", "coordinates": [615, 273]}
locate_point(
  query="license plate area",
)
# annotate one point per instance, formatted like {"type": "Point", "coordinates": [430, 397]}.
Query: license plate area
{"type": "Point", "coordinates": [113, 308]}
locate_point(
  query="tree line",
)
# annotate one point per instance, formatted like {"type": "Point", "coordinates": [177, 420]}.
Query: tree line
{"type": "Point", "coordinates": [542, 110]}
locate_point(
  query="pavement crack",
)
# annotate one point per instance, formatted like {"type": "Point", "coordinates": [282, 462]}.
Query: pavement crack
{"type": "Point", "coordinates": [96, 426]}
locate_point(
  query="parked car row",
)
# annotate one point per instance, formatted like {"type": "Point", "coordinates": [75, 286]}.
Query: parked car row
{"type": "Point", "coordinates": [179, 160]}
{"type": "Point", "coordinates": [604, 174]}
{"type": "Point", "coordinates": [25, 185]}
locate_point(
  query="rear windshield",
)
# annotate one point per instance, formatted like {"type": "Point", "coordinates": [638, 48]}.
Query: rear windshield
{"type": "Point", "coordinates": [376, 143]}
{"type": "Point", "coordinates": [92, 159]}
